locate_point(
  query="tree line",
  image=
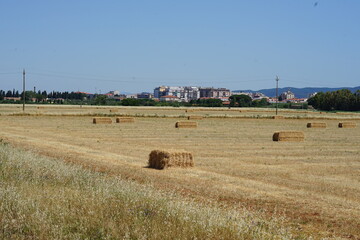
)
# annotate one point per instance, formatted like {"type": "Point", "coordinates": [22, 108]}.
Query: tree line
{"type": "Point", "coordinates": [42, 94]}
{"type": "Point", "coordinates": [343, 100]}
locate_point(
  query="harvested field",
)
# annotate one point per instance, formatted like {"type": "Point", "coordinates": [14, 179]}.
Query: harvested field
{"type": "Point", "coordinates": [316, 125]}
{"type": "Point", "coordinates": [195, 117]}
{"type": "Point", "coordinates": [182, 124]}
{"type": "Point", "coordinates": [347, 125]}
{"type": "Point", "coordinates": [161, 159]}
{"type": "Point", "coordinates": [289, 136]}
{"type": "Point", "coordinates": [67, 110]}
{"type": "Point", "coordinates": [125, 120]}
{"type": "Point", "coordinates": [315, 184]}
{"type": "Point", "coordinates": [102, 120]}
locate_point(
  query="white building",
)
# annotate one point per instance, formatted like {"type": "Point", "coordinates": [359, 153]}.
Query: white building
{"type": "Point", "coordinates": [169, 98]}
{"type": "Point", "coordinates": [131, 95]}
{"type": "Point", "coordinates": [211, 92]}
{"type": "Point", "coordinates": [114, 93]}
{"type": "Point", "coordinates": [185, 94]}
{"type": "Point", "coordinates": [287, 95]}
{"type": "Point", "coordinates": [312, 94]}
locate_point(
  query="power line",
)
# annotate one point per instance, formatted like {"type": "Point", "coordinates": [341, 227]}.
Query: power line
{"type": "Point", "coordinates": [145, 79]}
{"type": "Point", "coordinates": [9, 73]}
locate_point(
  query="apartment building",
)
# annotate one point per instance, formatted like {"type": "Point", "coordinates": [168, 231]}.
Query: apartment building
{"type": "Point", "coordinates": [211, 92]}
{"type": "Point", "coordinates": [185, 94]}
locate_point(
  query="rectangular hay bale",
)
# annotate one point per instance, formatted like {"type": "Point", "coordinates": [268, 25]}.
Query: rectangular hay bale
{"type": "Point", "coordinates": [289, 136]}
{"type": "Point", "coordinates": [160, 159]}
{"type": "Point", "coordinates": [189, 110]}
{"type": "Point", "coordinates": [114, 110]}
{"type": "Point", "coordinates": [347, 124]}
{"type": "Point", "coordinates": [102, 120]}
{"type": "Point", "coordinates": [187, 124]}
{"type": "Point", "coordinates": [316, 125]}
{"type": "Point", "coordinates": [277, 117]}
{"type": "Point", "coordinates": [195, 117]}
{"type": "Point", "coordinates": [125, 120]}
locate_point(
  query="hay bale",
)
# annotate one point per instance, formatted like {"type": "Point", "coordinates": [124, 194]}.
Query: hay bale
{"type": "Point", "coordinates": [289, 136]}
{"type": "Point", "coordinates": [160, 159]}
{"type": "Point", "coordinates": [347, 124]}
{"type": "Point", "coordinates": [189, 110]}
{"type": "Point", "coordinates": [186, 124]}
{"type": "Point", "coordinates": [114, 110]}
{"type": "Point", "coordinates": [40, 107]}
{"type": "Point", "coordinates": [195, 117]}
{"type": "Point", "coordinates": [316, 125]}
{"type": "Point", "coordinates": [277, 117]}
{"type": "Point", "coordinates": [125, 119]}
{"type": "Point", "coordinates": [102, 120]}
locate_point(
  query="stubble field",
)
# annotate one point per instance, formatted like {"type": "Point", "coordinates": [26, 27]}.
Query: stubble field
{"type": "Point", "coordinates": [315, 184]}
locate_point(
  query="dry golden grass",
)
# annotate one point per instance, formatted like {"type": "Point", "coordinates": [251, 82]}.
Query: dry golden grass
{"type": "Point", "coordinates": [45, 198]}
{"type": "Point", "coordinates": [68, 110]}
{"type": "Point", "coordinates": [315, 183]}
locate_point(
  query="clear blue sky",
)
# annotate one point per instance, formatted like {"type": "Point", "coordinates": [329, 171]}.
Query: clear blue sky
{"type": "Point", "coordinates": [136, 45]}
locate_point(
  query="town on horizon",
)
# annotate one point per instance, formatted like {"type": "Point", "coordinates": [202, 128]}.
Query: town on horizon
{"type": "Point", "coordinates": [183, 94]}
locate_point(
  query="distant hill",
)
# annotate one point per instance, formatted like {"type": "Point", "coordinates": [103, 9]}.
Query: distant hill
{"type": "Point", "coordinates": [299, 92]}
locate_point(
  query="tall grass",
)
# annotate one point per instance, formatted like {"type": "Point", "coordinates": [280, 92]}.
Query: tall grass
{"type": "Point", "coordinates": [43, 198]}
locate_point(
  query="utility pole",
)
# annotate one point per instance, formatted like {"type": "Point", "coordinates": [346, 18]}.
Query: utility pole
{"type": "Point", "coordinates": [277, 97]}
{"type": "Point", "coordinates": [23, 90]}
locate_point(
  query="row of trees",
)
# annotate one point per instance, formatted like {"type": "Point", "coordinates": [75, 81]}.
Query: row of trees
{"type": "Point", "coordinates": [43, 94]}
{"type": "Point", "coordinates": [9, 93]}
{"type": "Point", "coordinates": [246, 101]}
{"type": "Point", "coordinates": [102, 100]}
{"type": "Point", "coordinates": [343, 100]}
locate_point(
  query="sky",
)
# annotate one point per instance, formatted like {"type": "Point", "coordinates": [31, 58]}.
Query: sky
{"type": "Point", "coordinates": [136, 45]}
